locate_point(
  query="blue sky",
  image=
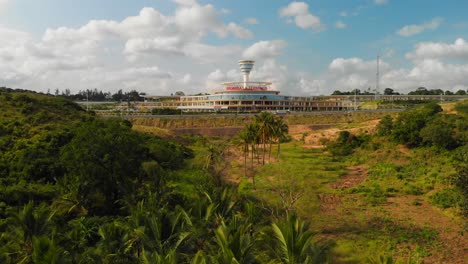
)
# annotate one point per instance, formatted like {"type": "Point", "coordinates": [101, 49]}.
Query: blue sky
{"type": "Point", "coordinates": [304, 47]}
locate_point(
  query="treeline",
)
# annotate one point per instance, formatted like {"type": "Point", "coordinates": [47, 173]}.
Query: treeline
{"type": "Point", "coordinates": [100, 96]}
{"type": "Point", "coordinates": [390, 91]}
{"type": "Point", "coordinates": [78, 189]}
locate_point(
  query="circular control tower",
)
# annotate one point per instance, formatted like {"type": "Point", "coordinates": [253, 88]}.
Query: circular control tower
{"type": "Point", "coordinates": [246, 67]}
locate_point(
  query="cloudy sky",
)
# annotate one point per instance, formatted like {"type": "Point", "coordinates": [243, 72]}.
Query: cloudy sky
{"type": "Point", "coordinates": [161, 46]}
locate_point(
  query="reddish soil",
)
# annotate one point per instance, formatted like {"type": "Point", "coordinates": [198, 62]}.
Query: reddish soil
{"type": "Point", "coordinates": [314, 136]}
{"type": "Point", "coordinates": [452, 246]}
{"type": "Point", "coordinates": [354, 177]}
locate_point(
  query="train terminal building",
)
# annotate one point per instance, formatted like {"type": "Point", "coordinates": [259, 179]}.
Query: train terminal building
{"type": "Point", "coordinates": [255, 96]}
{"type": "Point", "coordinates": [247, 96]}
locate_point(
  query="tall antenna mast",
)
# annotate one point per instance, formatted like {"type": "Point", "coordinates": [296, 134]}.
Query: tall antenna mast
{"type": "Point", "coordinates": [377, 79]}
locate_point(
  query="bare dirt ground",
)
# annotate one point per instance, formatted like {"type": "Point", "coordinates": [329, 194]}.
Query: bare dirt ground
{"type": "Point", "coordinates": [354, 177]}
{"type": "Point", "coordinates": [453, 244]}
{"type": "Point", "coordinates": [315, 136]}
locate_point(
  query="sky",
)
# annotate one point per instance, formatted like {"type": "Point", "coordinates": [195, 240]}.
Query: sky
{"type": "Point", "coordinates": [163, 46]}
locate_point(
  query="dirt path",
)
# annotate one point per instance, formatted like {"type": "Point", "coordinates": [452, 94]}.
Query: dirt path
{"type": "Point", "coordinates": [452, 246]}
{"type": "Point", "coordinates": [354, 177]}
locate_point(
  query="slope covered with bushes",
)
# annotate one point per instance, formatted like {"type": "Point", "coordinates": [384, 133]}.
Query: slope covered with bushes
{"type": "Point", "coordinates": [75, 188]}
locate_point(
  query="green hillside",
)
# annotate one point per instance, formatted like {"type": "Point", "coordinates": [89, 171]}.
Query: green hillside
{"type": "Point", "coordinates": [75, 188]}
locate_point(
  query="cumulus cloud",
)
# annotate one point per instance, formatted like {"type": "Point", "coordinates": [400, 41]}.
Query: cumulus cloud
{"type": "Point", "coordinates": [264, 49]}
{"type": "Point", "coordinates": [411, 30]}
{"type": "Point", "coordinates": [340, 25]}
{"type": "Point", "coordinates": [438, 50]}
{"type": "Point", "coordinates": [302, 17]}
{"type": "Point", "coordinates": [108, 54]}
{"type": "Point", "coordinates": [428, 69]}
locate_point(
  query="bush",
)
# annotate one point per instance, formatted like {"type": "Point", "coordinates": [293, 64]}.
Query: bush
{"type": "Point", "coordinates": [385, 126]}
{"type": "Point", "coordinates": [344, 144]}
{"type": "Point", "coordinates": [446, 198]}
{"type": "Point", "coordinates": [408, 125]}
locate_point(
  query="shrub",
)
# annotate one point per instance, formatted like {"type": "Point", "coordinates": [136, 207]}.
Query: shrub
{"type": "Point", "coordinates": [446, 198]}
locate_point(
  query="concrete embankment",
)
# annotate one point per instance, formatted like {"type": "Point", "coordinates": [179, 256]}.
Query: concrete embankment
{"type": "Point", "coordinates": [227, 125]}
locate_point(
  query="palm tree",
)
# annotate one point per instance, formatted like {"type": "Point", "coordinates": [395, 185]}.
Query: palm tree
{"type": "Point", "coordinates": [281, 131]}
{"type": "Point", "coordinates": [235, 243]}
{"type": "Point", "coordinates": [113, 244]}
{"type": "Point", "coordinates": [46, 251]}
{"type": "Point", "coordinates": [245, 141]}
{"type": "Point", "coordinates": [160, 235]}
{"type": "Point", "coordinates": [253, 137]}
{"type": "Point", "coordinates": [31, 221]}
{"type": "Point", "coordinates": [265, 121]}
{"type": "Point", "coordinates": [294, 242]}
{"type": "Point", "coordinates": [24, 226]}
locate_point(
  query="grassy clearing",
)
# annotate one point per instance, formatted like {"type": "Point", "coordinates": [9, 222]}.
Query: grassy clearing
{"type": "Point", "coordinates": [385, 215]}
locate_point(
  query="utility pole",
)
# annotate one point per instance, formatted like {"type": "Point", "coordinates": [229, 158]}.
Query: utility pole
{"type": "Point", "coordinates": [355, 91]}
{"type": "Point", "coordinates": [377, 79]}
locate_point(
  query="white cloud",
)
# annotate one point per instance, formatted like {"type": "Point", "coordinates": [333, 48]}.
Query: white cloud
{"type": "Point", "coordinates": [438, 50]}
{"type": "Point", "coordinates": [380, 2]}
{"type": "Point", "coordinates": [251, 21]}
{"type": "Point", "coordinates": [264, 49]}
{"type": "Point", "coordinates": [146, 72]}
{"type": "Point", "coordinates": [186, 2]}
{"type": "Point", "coordinates": [108, 54]}
{"type": "Point", "coordinates": [3, 6]}
{"type": "Point", "coordinates": [302, 18]}
{"type": "Point", "coordinates": [411, 30]}
{"type": "Point", "coordinates": [428, 69]}
{"type": "Point", "coordinates": [340, 25]}
{"type": "Point", "coordinates": [186, 79]}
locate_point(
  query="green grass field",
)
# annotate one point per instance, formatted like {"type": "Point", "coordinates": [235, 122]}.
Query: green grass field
{"type": "Point", "coordinates": [379, 216]}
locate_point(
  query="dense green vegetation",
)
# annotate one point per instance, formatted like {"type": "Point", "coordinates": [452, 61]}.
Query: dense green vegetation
{"type": "Point", "coordinates": [380, 211]}
{"type": "Point", "coordinates": [79, 189]}
{"type": "Point", "coordinates": [427, 127]}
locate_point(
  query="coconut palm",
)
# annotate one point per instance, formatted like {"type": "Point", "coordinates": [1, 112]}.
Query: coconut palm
{"type": "Point", "coordinates": [265, 122]}
{"type": "Point", "coordinates": [245, 141]}
{"type": "Point", "coordinates": [46, 251]}
{"type": "Point", "coordinates": [281, 130]}
{"type": "Point", "coordinates": [235, 243]}
{"type": "Point", "coordinates": [23, 226]}
{"type": "Point", "coordinates": [293, 242]}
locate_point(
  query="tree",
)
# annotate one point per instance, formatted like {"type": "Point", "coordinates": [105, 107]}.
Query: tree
{"type": "Point", "coordinates": [293, 242]}
{"type": "Point", "coordinates": [235, 243]}
{"type": "Point", "coordinates": [460, 92]}
{"type": "Point", "coordinates": [385, 126]}
{"type": "Point", "coordinates": [103, 164]}
{"type": "Point", "coordinates": [265, 121]}
{"type": "Point", "coordinates": [388, 91]}
{"type": "Point", "coordinates": [438, 133]}
{"type": "Point", "coordinates": [407, 126]}
{"type": "Point", "coordinates": [281, 130]}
